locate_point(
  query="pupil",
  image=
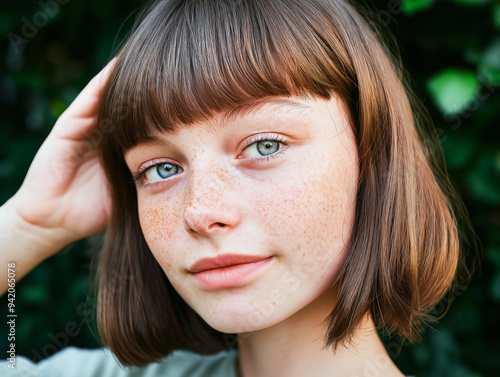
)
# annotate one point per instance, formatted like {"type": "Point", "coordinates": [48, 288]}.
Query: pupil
{"type": "Point", "coordinates": [164, 170]}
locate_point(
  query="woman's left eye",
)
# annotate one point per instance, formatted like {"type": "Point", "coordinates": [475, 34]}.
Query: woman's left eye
{"type": "Point", "coordinates": [265, 147]}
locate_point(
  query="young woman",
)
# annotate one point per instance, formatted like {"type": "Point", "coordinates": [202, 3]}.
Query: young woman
{"type": "Point", "coordinates": [270, 190]}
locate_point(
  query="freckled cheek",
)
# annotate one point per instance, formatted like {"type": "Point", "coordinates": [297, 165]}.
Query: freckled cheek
{"type": "Point", "coordinates": [307, 206]}
{"type": "Point", "coordinates": [159, 223]}
{"type": "Point", "coordinates": [310, 214]}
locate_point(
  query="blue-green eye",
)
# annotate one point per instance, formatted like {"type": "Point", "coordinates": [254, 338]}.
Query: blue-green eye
{"type": "Point", "coordinates": [163, 171]}
{"type": "Point", "coordinates": [265, 146]}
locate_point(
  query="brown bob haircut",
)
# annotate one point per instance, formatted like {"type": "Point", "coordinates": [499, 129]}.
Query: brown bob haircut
{"type": "Point", "coordinates": [188, 60]}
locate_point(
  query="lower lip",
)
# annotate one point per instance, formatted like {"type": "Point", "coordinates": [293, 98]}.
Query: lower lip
{"type": "Point", "coordinates": [230, 276]}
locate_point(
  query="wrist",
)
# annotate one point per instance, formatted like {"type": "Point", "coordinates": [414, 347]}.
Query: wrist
{"type": "Point", "coordinates": [19, 235]}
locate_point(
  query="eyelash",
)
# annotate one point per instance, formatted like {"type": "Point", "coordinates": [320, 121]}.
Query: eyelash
{"type": "Point", "coordinates": [139, 176]}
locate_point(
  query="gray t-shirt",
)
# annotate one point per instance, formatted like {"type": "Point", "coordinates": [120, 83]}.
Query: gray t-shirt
{"type": "Point", "coordinates": [76, 362]}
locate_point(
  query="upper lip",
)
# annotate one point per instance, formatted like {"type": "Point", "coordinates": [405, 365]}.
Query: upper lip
{"type": "Point", "coordinates": [224, 260]}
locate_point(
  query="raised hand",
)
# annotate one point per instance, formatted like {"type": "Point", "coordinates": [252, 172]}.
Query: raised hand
{"type": "Point", "coordinates": [64, 196]}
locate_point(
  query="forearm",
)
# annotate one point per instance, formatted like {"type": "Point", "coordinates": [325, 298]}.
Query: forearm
{"type": "Point", "coordinates": [23, 244]}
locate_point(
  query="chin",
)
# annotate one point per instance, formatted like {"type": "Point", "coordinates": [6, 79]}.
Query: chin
{"type": "Point", "coordinates": [240, 325]}
{"type": "Point", "coordinates": [243, 317]}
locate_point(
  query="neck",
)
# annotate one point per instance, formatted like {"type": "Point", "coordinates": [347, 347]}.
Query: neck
{"type": "Point", "coordinates": [294, 347]}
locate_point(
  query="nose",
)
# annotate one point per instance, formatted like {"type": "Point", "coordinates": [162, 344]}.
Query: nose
{"type": "Point", "coordinates": [211, 206]}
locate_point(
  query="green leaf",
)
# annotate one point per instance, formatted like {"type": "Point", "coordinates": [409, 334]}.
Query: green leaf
{"type": "Point", "coordinates": [489, 66]}
{"type": "Point", "coordinates": [452, 89]}
{"type": "Point", "coordinates": [410, 7]}
{"type": "Point", "coordinates": [493, 255]}
{"type": "Point", "coordinates": [57, 107]}
{"type": "Point", "coordinates": [36, 294]}
{"type": "Point", "coordinates": [459, 150]}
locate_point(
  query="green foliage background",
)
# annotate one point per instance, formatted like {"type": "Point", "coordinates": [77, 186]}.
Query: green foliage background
{"type": "Point", "coordinates": [452, 52]}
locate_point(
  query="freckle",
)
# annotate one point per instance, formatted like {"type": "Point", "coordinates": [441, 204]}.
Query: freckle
{"type": "Point", "coordinates": [303, 254]}
{"type": "Point", "coordinates": [274, 303]}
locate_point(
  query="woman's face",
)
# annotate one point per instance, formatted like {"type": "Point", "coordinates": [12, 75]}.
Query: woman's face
{"type": "Point", "coordinates": [249, 215]}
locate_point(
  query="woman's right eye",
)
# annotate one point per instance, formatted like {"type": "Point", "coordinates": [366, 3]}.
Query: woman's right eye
{"type": "Point", "coordinates": [159, 172]}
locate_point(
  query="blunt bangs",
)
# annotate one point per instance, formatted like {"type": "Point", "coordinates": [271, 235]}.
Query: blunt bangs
{"type": "Point", "coordinates": [189, 60]}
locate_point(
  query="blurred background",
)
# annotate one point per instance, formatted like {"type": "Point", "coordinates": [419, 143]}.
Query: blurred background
{"type": "Point", "coordinates": [50, 49]}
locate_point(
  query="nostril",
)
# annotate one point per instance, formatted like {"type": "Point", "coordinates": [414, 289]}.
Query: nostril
{"type": "Point", "coordinates": [217, 225]}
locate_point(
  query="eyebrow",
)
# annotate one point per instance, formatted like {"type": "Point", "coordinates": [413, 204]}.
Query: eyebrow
{"type": "Point", "coordinates": [280, 105]}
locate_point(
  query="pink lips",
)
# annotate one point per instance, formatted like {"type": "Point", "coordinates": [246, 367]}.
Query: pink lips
{"type": "Point", "coordinates": [227, 270]}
